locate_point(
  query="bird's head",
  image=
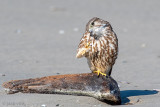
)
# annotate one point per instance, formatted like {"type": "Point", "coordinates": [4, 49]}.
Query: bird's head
{"type": "Point", "coordinates": [97, 27]}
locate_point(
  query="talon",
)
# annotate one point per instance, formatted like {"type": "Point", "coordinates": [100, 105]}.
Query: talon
{"type": "Point", "coordinates": [103, 74]}
{"type": "Point", "coordinates": [99, 72]}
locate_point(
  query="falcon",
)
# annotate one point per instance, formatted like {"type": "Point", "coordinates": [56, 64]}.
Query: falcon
{"type": "Point", "coordinates": [99, 45]}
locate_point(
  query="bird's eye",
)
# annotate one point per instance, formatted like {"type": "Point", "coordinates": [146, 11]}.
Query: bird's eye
{"type": "Point", "coordinates": [92, 23]}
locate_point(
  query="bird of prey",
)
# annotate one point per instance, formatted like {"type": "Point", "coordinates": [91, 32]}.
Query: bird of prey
{"type": "Point", "coordinates": [99, 45]}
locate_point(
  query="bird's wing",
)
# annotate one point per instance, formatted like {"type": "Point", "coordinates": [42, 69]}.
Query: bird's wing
{"type": "Point", "coordinates": [83, 46]}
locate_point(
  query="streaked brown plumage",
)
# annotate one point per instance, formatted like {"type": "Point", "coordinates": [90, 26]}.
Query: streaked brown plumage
{"type": "Point", "coordinates": [99, 45]}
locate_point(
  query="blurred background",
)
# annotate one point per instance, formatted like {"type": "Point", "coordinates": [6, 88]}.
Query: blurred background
{"type": "Point", "coordinates": [40, 38]}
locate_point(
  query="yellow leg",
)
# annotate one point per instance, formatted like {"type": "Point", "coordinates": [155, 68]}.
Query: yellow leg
{"type": "Point", "coordinates": [99, 72]}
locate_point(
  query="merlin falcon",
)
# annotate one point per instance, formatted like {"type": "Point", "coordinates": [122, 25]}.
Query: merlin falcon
{"type": "Point", "coordinates": [99, 45]}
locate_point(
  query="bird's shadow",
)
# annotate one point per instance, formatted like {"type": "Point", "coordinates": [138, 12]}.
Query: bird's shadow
{"type": "Point", "coordinates": [128, 93]}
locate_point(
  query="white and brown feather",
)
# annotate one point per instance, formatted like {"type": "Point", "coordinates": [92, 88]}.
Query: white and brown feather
{"type": "Point", "coordinates": [103, 49]}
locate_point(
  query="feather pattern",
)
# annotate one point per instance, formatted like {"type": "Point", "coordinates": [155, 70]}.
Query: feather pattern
{"type": "Point", "coordinates": [99, 45]}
